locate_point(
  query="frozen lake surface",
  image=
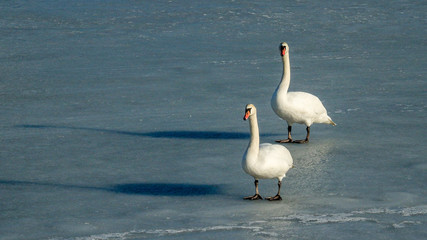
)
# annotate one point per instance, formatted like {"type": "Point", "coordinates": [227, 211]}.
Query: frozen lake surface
{"type": "Point", "coordinates": [123, 119]}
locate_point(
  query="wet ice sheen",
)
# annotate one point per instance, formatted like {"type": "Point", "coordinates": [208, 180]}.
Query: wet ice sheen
{"type": "Point", "coordinates": [123, 119]}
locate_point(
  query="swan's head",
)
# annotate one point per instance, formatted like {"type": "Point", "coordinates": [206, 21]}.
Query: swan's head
{"type": "Point", "coordinates": [249, 111]}
{"type": "Point", "coordinates": [284, 49]}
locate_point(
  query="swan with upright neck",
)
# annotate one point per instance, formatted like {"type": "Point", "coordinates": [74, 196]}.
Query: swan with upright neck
{"type": "Point", "coordinates": [296, 107]}
{"type": "Point", "coordinates": [265, 161]}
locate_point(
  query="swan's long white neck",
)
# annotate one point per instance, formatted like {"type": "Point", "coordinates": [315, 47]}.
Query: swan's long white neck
{"type": "Point", "coordinates": [286, 76]}
{"type": "Point", "coordinates": [253, 147]}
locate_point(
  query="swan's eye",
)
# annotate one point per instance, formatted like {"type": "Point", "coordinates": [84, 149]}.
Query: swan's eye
{"type": "Point", "coordinates": [249, 109]}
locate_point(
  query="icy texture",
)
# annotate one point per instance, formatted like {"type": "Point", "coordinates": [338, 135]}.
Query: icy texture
{"type": "Point", "coordinates": [123, 119]}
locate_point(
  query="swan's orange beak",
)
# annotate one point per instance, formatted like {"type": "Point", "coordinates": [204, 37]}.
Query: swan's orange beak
{"type": "Point", "coordinates": [283, 52]}
{"type": "Point", "coordinates": [248, 112]}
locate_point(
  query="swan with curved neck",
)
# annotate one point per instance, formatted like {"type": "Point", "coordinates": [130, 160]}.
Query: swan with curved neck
{"type": "Point", "coordinates": [265, 161]}
{"type": "Point", "coordinates": [296, 107]}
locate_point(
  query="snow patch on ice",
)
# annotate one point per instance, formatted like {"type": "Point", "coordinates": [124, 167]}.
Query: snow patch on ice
{"type": "Point", "coordinates": [324, 218]}
{"type": "Point", "coordinates": [406, 212]}
{"type": "Point", "coordinates": [136, 234]}
{"type": "Point", "coordinates": [405, 223]}
{"type": "Point", "coordinates": [261, 228]}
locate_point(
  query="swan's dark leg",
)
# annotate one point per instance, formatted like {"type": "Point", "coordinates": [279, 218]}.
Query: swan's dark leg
{"type": "Point", "coordinates": [289, 140]}
{"type": "Point", "coordinates": [277, 197]}
{"type": "Point", "coordinates": [256, 196]}
{"type": "Point", "coordinates": [306, 138]}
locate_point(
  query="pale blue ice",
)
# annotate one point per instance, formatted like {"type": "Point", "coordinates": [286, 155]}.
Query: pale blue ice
{"type": "Point", "coordinates": [123, 119]}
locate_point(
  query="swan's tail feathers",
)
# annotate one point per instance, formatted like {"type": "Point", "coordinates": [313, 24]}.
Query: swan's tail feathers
{"type": "Point", "coordinates": [331, 122]}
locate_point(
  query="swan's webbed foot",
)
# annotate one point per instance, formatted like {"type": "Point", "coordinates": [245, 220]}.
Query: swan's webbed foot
{"type": "Point", "coordinates": [300, 141]}
{"type": "Point", "coordinates": [289, 140]}
{"type": "Point", "coordinates": [275, 198]}
{"type": "Point", "coordinates": [254, 197]}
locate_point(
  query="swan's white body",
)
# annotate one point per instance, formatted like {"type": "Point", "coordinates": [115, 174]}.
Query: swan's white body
{"type": "Point", "coordinates": [299, 107]}
{"type": "Point", "coordinates": [296, 107]}
{"type": "Point", "coordinates": [269, 161]}
{"type": "Point", "coordinates": [265, 161]}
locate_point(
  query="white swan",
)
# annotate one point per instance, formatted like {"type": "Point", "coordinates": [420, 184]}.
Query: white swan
{"type": "Point", "coordinates": [296, 107]}
{"type": "Point", "coordinates": [264, 161]}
